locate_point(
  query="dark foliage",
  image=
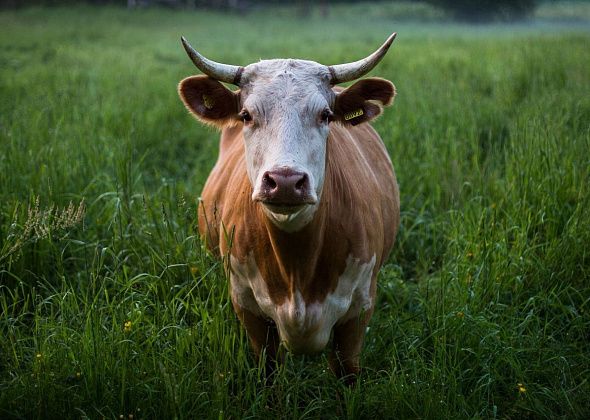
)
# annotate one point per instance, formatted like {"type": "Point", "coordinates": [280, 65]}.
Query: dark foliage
{"type": "Point", "coordinates": [487, 10]}
{"type": "Point", "coordinates": [212, 4]}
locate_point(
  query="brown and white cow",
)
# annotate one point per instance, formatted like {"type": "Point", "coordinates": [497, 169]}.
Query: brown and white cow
{"type": "Point", "coordinates": [303, 199]}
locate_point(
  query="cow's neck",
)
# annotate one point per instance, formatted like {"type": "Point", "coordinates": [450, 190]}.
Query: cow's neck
{"type": "Point", "coordinates": [297, 252]}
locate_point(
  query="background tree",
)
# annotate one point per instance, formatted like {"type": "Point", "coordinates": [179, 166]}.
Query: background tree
{"type": "Point", "coordinates": [487, 10]}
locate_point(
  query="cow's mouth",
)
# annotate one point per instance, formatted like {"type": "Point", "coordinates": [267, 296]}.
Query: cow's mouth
{"type": "Point", "coordinates": [284, 208]}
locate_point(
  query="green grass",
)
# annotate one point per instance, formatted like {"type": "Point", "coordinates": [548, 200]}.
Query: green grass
{"type": "Point", "coordinates": [487, 287]}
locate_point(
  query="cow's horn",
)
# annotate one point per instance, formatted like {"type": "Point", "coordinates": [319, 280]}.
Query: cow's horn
{"type": "Point", "coordinates": [218, 71]}
{"type": "Point", "coordinates": [350, 71]}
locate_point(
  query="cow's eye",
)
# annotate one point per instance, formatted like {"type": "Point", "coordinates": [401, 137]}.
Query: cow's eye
{"type": "Point", "coordinates": [245, 116]}
{"type": "Point", "coordinates": [327, 115]}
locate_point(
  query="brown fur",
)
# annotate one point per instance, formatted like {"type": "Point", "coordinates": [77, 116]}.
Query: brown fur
{"type": "Point", "coordinates": [358, 215]}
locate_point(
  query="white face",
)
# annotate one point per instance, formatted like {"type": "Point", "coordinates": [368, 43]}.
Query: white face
{"type": "Point", "coordinates": [286, 109]}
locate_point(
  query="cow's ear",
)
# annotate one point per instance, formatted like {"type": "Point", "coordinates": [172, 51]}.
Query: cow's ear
{"type": "Point", "coordinates": [209, 100]}
{"type": "Point", "coordinates": [363, 101]}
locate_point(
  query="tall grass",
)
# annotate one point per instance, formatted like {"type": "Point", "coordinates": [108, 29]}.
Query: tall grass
{"type": "Point", "coordinates": [483, 307]}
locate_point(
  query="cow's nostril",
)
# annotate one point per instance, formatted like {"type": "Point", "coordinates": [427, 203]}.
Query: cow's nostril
{"type": "Point", "coordinates": [269, 182]}
{"type": "Point", "coordinates": [301, 183]}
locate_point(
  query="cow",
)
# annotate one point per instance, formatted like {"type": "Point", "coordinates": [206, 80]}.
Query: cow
{"type": "Point", "coordinates": [302, 203]}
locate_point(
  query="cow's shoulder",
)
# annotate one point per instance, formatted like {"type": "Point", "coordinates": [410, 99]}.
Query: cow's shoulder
{"type": "Point", "coordinates": [226, 183]}
{"type": "Point", "coordinates": [363, 191]}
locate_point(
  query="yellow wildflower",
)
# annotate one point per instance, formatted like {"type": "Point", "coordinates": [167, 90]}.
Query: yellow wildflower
{"type": "Point", "coordinates": [521, 388]}
{"type": "Point", "coordinates": [127, 326]}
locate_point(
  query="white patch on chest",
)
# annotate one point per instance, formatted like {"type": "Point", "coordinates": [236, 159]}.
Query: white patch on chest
{"type": "Point", "coordinates": [305, 327]}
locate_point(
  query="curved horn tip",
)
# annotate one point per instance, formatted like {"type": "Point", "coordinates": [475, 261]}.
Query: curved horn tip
{"type": "Point", "coordinates": [390, 40]}
{"type": "Point", "coordinates": [187, 46]}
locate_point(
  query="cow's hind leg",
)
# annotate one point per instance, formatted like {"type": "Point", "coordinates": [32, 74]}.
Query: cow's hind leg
{"type": "Point", "coordinates": [263, 336]}
{"type": "Point", "coordinates": [347, 343]}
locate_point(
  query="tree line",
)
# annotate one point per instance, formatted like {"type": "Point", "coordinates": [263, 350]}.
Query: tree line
{"type": "Point", "coordinates": [467, 10]}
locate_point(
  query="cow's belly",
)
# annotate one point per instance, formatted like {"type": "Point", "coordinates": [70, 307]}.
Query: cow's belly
{"type": "Point", "coordinates": [305, 327]}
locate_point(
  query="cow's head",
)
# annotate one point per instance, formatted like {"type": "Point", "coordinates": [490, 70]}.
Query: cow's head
{"type": "Point", "coordinates": [285, 108]}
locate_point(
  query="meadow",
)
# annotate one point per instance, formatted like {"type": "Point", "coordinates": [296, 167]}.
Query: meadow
{"type": "Point", "coordinates": [111, 308]}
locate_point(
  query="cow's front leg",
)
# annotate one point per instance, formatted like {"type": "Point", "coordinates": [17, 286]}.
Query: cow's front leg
{"type": "Point", "coordinates": [263, 335]}
{"type": "Point", "coordinates": [347, 342]}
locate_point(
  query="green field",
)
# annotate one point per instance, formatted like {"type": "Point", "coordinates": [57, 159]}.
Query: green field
{"type": "Point", "coordinates": [110, 308]}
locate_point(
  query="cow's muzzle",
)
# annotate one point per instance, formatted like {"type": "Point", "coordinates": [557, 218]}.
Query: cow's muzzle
{"type": "Point", "coordinates": [285, 190]}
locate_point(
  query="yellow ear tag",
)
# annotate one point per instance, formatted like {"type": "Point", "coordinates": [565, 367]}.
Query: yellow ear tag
{"type": "Point", "coordinates": [208, 101]}
{"type": "Point", "coordinates": [353, 114]}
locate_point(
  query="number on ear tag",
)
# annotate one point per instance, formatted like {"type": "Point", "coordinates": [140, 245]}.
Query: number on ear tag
{"type": "Point", "coordinates": [353, 114]}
